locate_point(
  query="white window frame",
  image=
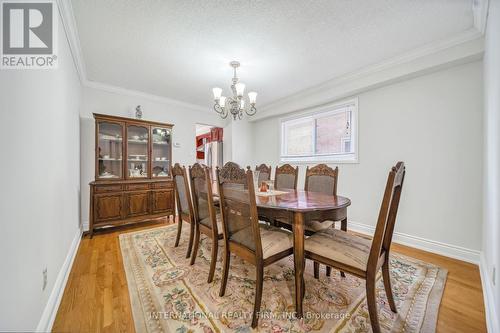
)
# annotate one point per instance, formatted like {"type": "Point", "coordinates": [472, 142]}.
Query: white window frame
{"type": "Point", "coordinates": [317, 113]}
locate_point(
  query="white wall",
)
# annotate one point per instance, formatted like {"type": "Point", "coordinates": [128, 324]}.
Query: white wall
{"type": "Point", "coordinates": [242, 142]}
{"type": "Point", "coordinates": [122, 104]}
{"type": "Point", "coordinates": [39, 203]}
{"type": "Point", "coordinates": [434, 124]}
{"type": "Point", "coordinates": [491, 226]}
{"type": "Point", "coordinates": [228, 143]}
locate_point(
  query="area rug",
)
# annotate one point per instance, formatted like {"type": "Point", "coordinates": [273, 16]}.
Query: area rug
{"type": "Point", "coordinates": [169, 295]}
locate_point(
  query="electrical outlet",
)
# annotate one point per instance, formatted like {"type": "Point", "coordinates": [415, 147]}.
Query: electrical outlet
{"type": "Point", "coordinates": [494, 275]}
{"type": "Point", "coordinates": [44, 273]}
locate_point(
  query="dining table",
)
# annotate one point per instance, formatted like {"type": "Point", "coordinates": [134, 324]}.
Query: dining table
{"type": "Point", "coordinates": [299, 206]}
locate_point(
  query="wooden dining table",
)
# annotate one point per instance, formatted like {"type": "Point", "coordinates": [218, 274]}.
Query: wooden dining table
{"type": "Point", "coordinates": [299, 206]}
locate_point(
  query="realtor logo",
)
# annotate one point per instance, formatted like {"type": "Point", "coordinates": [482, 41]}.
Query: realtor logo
{"type": "Point", "coordinates": [28, 35]}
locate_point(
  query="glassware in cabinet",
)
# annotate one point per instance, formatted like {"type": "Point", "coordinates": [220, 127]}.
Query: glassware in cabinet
{"type": "Point", "coordinates": [160, 151]}
{"type": "Point", "coordinates": [109, 150]}
{"type": "Point", "coordinates": [137, 151]}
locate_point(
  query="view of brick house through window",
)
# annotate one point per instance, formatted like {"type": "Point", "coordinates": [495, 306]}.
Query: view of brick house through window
{"type": "Point", "coordinates": [326, 135]}
{"type": "Point", "coordinates": [333, 133]}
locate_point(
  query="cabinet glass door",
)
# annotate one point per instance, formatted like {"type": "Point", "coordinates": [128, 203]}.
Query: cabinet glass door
{"type": "Point", "coordinates": [161, 152]}
{"type": "Point", "coordinates": [110, 150]}
{"type": "Point", "coordinates": [137, 151]}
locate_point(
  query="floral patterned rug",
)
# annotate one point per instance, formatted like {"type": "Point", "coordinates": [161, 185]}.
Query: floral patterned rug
{"type": "Point", "coordinates": [169, 295]}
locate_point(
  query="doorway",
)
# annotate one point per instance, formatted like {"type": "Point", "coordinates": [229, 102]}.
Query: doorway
{"type": "Point", "coordinates": [209, 146]}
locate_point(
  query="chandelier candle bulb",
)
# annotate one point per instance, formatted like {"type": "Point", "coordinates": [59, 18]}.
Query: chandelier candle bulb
{"type": "Point", "coordinates": [217, 93]}
{"type": "Point", "coordinates": [240, 88]}
{"type": "Point", "coordinates": [242, 104]}
{"type": "Point", "coordinates": [222, 101]}
{"type": "Point", "coordinates": [252, 97]}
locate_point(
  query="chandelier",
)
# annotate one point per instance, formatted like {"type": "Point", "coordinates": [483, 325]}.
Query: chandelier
{"type": "Point", "coordinates": [234, 104]}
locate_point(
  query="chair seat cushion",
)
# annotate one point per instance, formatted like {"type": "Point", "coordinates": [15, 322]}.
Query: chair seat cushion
{"type": "Point", "coordinates": [274, 240]}
{"type": "Point", "coordinates": [208, 223]}
{"type": "Point", "coordinates": [340, 246]}
{"type": "Point", "coordinates": [314, 226]}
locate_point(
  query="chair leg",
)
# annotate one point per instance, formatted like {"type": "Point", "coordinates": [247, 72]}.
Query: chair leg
{"type": "Point", "coordinates": [328, 271]}
{"type": "Point", "coordinates": [225, 271]}
{"type": "Point", "coordinates": [213, 259]}
{"type": "Point", "coordinates": [316, 270]}
{"type": "Point", "coordinates": [372, 304]}
{"type": "Point", "coordinates": [343, 227]}
{"type": "Point", "coordinates": [303, 288]}
{"type": "Point", "coordinates": [387, 284]}
{"type": "Point", "coordinates": [194, 254]}
{"type": "Point", "coordinates": [191, 236]}
{"type": "Point", "coordinates": [258, 293]}
{"type": "Point", "coordinates": [179, 230]}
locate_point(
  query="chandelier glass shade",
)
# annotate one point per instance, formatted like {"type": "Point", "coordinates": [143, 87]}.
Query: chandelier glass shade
{"type": "Point", "coordinates": [235, 104]}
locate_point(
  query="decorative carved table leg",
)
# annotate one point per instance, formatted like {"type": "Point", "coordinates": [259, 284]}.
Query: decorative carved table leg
{"type": "Point", "coordinates": [299, 260]}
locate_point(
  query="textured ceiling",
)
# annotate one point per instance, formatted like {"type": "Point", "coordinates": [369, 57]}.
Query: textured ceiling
{"type": "Point", "coordinates": [181, 49]}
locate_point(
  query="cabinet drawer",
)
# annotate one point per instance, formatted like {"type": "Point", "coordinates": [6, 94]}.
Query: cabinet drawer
{"type": "Point", "coordinates": [162, 185]}
{"type": "Point", "coordinates": [108, 188]}
{"type": "Point", "coordinates": [136, 187]}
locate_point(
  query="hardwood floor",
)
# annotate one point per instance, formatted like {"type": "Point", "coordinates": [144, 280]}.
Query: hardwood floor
{"type": "Point", "coordinates": [96, 297]}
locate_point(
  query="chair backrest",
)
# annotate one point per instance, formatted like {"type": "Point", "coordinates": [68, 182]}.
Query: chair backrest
{"type": "Point", "coordinates": [285, 177]}
{"type": "Point", "coordinates": [321, 178]}
{"type": "Point", "coordinates": [382, 239]}
{"type": "Point", "coordinates": [201, 188]}
{"type": "Point", "coordinates": [264, 172]}
{"type": "Point", "coordinates": [238, 207]}
{"type": "Point", "coordinates": [182, 193]}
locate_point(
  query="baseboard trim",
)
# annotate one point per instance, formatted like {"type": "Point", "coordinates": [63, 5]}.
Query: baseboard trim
{"type": "Point", "coordinates": [50, 311]}
{"type": "Point", "coordinates": [448, 250]}
{"type": "Point", "coordinates": [492, 319]}
{"type": "Point", "coordinates": [85, 225]}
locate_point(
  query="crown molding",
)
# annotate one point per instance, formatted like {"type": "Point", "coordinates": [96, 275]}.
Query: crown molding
{"type": "Point", "coordinates": [480, 13]}
{"type": "Point", "coordinates": [462, 48]}
{"type": "Point", "coordinates": [70, 28]}
{"type": "Point", "coordinates": [71, 31]}
{"type": "Point", "coordinates": [140, 94]}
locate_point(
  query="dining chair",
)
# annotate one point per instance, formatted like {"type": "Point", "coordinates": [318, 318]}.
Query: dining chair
{"type": "Point", "coordinates": [207, 219]}
{"type": "Point", "coordinates": [320, 178]}
{"type": "Point", "coordinates": [184, 206]}
{"type": "Point", "coordinates": [264, 173]}
{"type": "Point", "coordinates": [256, 243]}
{"type": "Point", "coordinates": [285, 177]}
{"type": "Point", "coordinates": [323, 179]}
{"type": "Point", "coordinates": [361, 256]}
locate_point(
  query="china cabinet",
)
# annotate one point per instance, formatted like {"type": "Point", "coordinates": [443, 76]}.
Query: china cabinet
{"type": "Point", "coordinates": [132, 182]}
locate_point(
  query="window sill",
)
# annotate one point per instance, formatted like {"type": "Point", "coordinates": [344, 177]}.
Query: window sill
{"type": "Point", "coordinates": [320, 159]}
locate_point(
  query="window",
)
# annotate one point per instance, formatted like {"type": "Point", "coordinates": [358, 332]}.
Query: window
{"type": "Point", "coordinates": [329, 134]}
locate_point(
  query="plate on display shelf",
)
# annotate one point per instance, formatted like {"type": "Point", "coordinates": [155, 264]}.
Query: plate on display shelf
{"type": "Point", "coordinates": [107, 175]}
